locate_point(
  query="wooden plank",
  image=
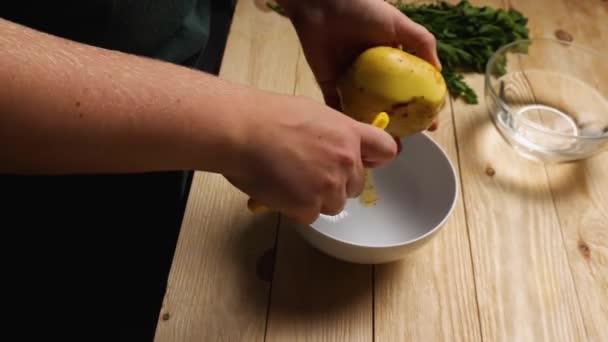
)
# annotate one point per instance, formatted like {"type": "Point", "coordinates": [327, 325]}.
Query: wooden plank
{"type": "Point", "coordinates": [525, 289]}
{"type": "Point", "coordinates": [315, 297]}
{"type": "Point", "coordinates": [524, 284]}
{"type": "Point", "coordinates": [430, 296]}
{"type": "Point", "coordinates": [214, 293]}
{"type": "Point", "coordinates": [582, 211]}
{"type": "Point", "coordinates": [579, 188]}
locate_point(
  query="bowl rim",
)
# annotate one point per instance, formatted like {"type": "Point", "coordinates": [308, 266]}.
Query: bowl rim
{"type": "Point", "coordinates": [503, 104]}
{"type": "Point", "coordinates": [436, 228]}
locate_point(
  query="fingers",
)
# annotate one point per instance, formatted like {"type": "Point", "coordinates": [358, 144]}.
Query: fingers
{"type": "Point", "coordinates": [334, 202]}
{"type": "Point", "coordinates": [417, 38]}
{"type": "Point", "coordinates": [356, 180]}
{"type": "Point", "coordinates": [377, 146]}
{"type": "Point", "coordinates": [305, 216]}
{"type": "Point", "coordinates": [350, 185]}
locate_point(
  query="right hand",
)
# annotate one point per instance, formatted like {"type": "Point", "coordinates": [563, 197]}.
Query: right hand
{"type": "Point", "coordinates": [302, 158]}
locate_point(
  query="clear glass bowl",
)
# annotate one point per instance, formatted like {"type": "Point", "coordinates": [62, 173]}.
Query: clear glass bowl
{"type": "Point", "coordinates": [549, 99]}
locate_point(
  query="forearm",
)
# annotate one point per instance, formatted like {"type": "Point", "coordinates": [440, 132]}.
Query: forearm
{"type": "Point", "coordinates": [67, 107]}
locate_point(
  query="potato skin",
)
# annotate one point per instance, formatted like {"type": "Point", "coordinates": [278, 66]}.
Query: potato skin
{"type": "Point", "coordinates": [408, 88]}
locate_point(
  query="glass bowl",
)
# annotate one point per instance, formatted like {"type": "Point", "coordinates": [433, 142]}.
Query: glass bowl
{"type": "Point", "coordinates": [549, 99]}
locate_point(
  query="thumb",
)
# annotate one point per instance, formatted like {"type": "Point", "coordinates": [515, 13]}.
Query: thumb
{"type": "Point", "coordinates": [377, 146]}
{"type": "Point", "coordinates": [417, 39]}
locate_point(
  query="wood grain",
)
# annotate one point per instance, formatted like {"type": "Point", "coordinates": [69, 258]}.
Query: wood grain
{"type": "Point", "coordinates": [582, 211]}
{"type": "Point", "coordinates": [525, 288]}
{"type": "Point", "coordinates": [430, 296]}
{"type": "Point", "coordinates": [315, 297]}
{"type": "Point", "coordinates": [214, 292]}
{"type": "Point", "coordinates": [578, 189]}
{"type": "Point", "coordinates": [534, 266]}
{"type": "Point", "coordinates": [524, 285]}
{"type": "Point", "coordinates": [219, 283]}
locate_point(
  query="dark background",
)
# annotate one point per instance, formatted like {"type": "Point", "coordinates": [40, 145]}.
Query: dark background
{"type": "Point", "coordinates": [87, 257]}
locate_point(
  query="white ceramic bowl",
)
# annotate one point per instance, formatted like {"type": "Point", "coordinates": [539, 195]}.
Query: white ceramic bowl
{"type": "Point", "coordinates": [549, 99]}
{"type": "Point", "coordinates": [417, 193]}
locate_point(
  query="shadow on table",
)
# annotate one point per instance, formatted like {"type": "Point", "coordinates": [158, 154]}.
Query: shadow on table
{"type": "Point", "coordinates": [252, 253]}
{"type": "Point", "coordinates": [305, 285]}
{"type": "Point", "coordinates": [487, 163]}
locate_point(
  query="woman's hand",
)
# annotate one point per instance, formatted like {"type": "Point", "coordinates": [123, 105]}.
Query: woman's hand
{"type": "Point", "coordinates": [334, 32]}
{"type": "Point", "coordinates": [302, 158]}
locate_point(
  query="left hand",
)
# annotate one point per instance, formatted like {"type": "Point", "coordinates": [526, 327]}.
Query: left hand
{"type": "Point", "coordinates": [334, 32]}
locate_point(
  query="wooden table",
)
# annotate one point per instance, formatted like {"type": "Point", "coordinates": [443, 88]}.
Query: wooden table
{"type": "Point", "coordinates": [524, 257]}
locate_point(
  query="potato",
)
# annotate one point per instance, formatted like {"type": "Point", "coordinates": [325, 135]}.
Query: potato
{"type": "Point", "coordinates": [385, 79]}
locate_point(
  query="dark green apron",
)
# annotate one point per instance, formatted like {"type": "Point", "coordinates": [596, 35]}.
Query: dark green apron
{"type": "Point", "coordinates": [172, 30]}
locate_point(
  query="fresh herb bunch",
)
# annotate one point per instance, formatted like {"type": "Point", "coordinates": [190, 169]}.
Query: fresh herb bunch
{"type": "Point", "coordinates": [467, 36]}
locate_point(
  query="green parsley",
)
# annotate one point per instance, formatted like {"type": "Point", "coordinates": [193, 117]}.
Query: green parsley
{"type": "Point", "coordinates": [466, 35]}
